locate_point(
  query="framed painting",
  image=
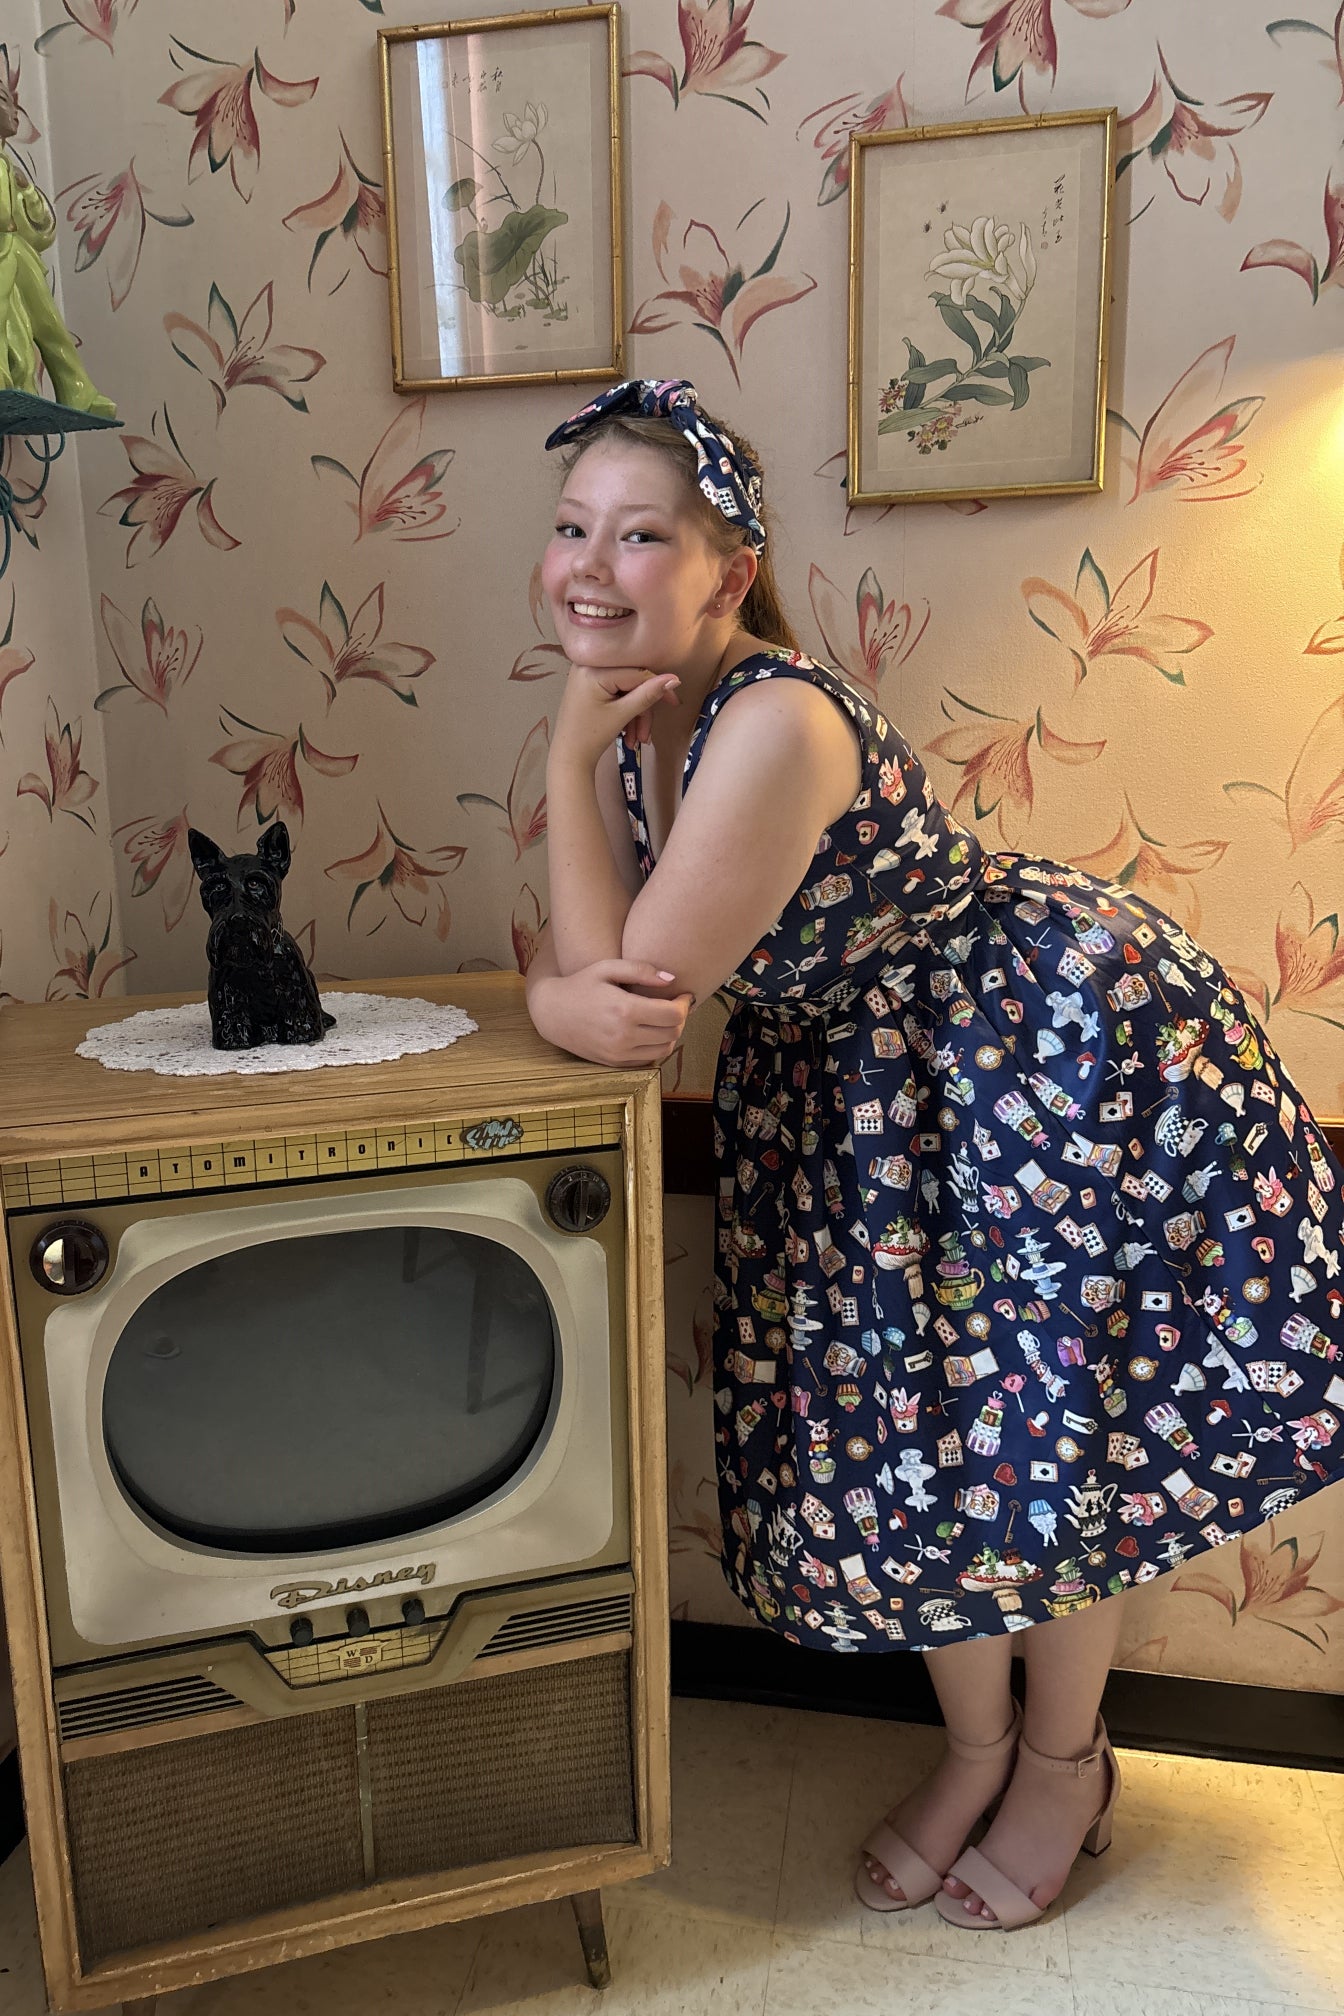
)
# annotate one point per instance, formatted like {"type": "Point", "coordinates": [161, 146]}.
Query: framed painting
{"type": "Point", "coordinates": [979, 308]}
{"type": "Point", "coordinates": [502, 164]}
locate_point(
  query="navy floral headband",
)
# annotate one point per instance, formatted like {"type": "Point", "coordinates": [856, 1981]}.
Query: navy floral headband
{"type": "Point", "coordinates": [728, 478]}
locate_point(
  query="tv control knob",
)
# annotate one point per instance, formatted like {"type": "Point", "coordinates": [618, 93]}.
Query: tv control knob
{"type": "Point", "coordinates": [301, 1631]}
{"type": "Point", "coordinates": [578, 1199]}
{"type": "Point", "coordinates": [413, 1610]}
{"type": "Point", "coordinates": [70, 1257]}
{"type": "Point", "coordinates": [357, 1623]}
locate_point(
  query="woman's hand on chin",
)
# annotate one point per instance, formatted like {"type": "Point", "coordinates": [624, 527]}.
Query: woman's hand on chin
{"type": "Point", "coordinates": [602, 702]}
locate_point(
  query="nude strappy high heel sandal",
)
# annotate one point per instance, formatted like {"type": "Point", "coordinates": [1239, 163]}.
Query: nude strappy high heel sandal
{"type": "Point", "coordinates": [918, 1878]}
{"type": "Point", "coordinates": [1012, 1907]}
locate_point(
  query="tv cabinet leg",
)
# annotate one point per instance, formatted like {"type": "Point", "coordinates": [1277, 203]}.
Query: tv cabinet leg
{"type": "Point", "coordinates": [593, 1936]}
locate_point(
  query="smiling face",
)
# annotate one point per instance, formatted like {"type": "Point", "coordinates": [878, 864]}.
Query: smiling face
{"type": "Point", "coordinates": [629, 574]}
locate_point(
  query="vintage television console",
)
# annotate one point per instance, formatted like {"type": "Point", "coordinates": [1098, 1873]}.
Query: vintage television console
{"type": "Point", "coordinates": [332, 1493]}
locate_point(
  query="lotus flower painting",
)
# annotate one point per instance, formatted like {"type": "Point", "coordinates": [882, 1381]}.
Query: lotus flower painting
{"type": "Point", "coordinates": [502, 206]}
{"type": "Point", "coordinates": [980, 296]}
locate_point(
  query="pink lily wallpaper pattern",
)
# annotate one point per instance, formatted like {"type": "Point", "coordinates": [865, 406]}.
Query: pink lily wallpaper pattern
{"type": "Point", "coordinates": [283, 589]}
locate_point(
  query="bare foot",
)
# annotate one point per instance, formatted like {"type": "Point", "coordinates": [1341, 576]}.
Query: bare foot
{"type": "Point", "coordinates": [1036, 1834]}
{"type": "Point", "coordinates": [939, 1814]}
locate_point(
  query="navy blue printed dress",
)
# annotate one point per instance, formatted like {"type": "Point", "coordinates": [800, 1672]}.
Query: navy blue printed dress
{"type": "Point", "coordinates": [1028, 1273]}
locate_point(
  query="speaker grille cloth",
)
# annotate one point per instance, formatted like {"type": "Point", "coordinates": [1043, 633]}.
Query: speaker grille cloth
{"type": "Point", "coordinates": [169, 1840]}
{"type": "Point", "coordinates": [514, 1764]}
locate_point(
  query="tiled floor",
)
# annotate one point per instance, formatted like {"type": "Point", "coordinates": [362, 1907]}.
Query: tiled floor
{"type": "Point", "coordinates": [1222, 1895]}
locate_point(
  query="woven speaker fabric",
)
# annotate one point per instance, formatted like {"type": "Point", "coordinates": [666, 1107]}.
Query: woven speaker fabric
{"type": "Point", "coordinates": [168, 1841]}
{"type": "Point", "coordinates": [370, 1029]}
{"type": "Point", "coordinates": [514, 1764]}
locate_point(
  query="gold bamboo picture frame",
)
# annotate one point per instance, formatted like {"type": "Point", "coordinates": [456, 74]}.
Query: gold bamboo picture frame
{"type": "Point", "coordinates": [503, 170]}
{"type": "Point", "coordinates": [979, 308]}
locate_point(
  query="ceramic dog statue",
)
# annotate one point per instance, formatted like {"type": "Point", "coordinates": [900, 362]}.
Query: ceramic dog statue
{"type": "Point", "coordinates": [260, 990]}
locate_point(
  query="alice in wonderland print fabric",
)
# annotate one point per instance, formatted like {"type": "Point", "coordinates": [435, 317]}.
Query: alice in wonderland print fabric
{"type": "Point", "coordinates": [1028, 1275]}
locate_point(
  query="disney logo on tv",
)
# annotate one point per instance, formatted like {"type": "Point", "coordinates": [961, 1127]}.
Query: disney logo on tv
{"type": "Point", "coordinates": [293, 1595]}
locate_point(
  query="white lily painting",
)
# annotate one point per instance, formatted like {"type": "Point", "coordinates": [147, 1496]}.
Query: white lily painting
{"type": "Point", "coordinates": [980, 301]}
{"type": "Point", "coordinates": [983, 279]}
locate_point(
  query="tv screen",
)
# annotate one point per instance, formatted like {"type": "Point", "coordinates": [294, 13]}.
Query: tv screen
{"type": "Point", "coordinates": [330, 1390]}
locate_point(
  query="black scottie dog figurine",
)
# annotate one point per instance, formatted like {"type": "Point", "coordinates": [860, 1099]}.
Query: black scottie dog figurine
{"type": "Point", "coordinates": [261, 990]}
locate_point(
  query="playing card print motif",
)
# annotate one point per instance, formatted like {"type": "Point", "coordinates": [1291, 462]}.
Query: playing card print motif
{"type": "Point", "coordinates": [1028, 1281]}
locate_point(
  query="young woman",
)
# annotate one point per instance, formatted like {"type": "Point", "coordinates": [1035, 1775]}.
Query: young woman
{"type": "Point", "coordinates": [1024, 1236]}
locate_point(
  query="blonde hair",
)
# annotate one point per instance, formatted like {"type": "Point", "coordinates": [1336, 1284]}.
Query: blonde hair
{"type": "Point", "coordinates": [761, 612]}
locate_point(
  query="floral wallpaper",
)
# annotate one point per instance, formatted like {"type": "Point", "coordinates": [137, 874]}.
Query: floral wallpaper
{"type": "Point", "coordinates": [283, 588]}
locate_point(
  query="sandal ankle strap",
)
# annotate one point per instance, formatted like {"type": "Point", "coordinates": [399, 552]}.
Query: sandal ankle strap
{"type": "Point", "coordinates": [1074, 1767]}
{"type": "Point", "coordinates": [986, 1753]}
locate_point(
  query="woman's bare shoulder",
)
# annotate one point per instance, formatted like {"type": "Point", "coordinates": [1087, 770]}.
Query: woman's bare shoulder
{"type": "Point", "coordinates": [784, 730]}
{"type": "Point", "coordinates": [783, 708]}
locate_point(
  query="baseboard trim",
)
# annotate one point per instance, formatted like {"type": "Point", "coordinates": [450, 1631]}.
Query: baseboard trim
{"type": "Point", "coordinates": [1144, 1711]}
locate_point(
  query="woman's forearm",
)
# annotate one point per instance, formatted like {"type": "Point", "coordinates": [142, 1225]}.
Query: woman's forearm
{"type": "Point", "coordinates": [549, 1000]}
{"type": "Point", "coordinates": [542, 970]}
{"type": "Point", "coordinates": [589, 901]}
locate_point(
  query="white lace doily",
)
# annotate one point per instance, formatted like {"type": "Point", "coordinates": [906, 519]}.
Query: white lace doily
{"type": "Point", "coordinates": [370, 1029]}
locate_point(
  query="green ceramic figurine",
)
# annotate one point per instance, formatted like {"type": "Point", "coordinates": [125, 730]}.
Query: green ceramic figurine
{"type": "Point", "coordinates": [30, 325]}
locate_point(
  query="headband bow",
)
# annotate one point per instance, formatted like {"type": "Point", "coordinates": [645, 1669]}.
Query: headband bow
{"type": "Point", "coordinates": [728, 478]}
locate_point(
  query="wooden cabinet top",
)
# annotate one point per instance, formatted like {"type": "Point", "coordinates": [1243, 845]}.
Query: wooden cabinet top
{"type": "Point", "coordinates": [53, 1102]}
